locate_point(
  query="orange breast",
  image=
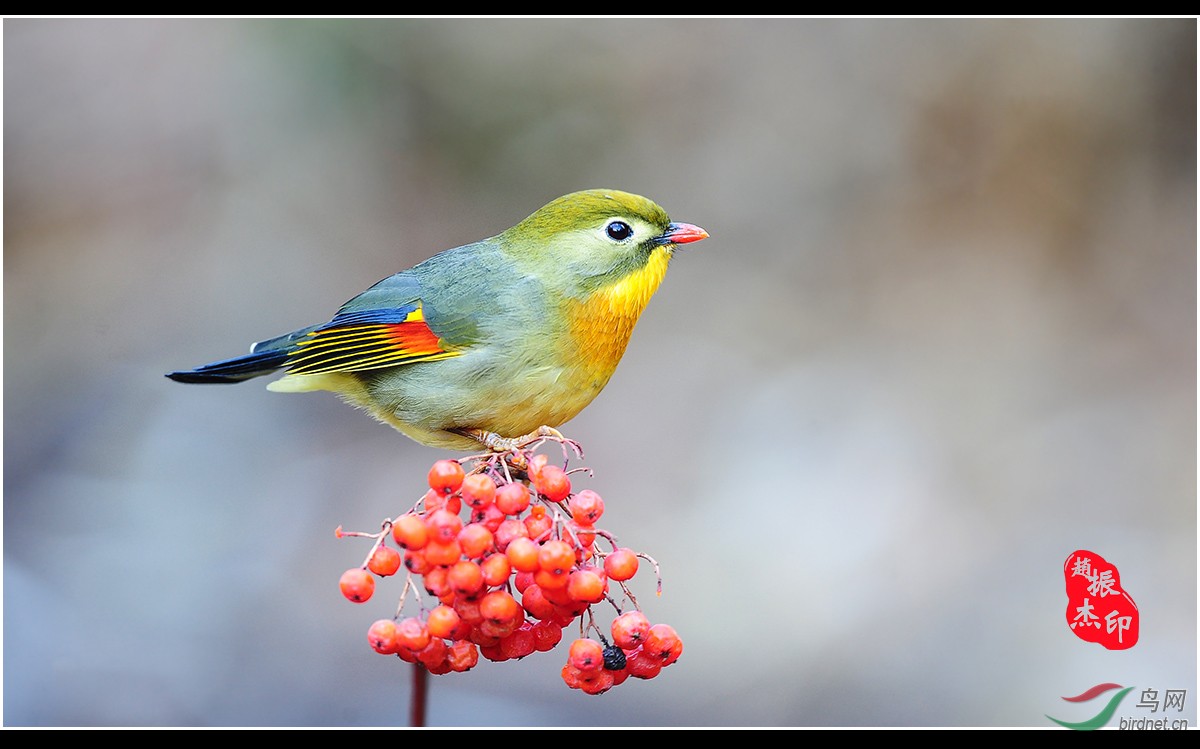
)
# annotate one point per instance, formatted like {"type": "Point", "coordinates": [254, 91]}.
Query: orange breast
{"type": "Point", "coordinates": [601, 324]}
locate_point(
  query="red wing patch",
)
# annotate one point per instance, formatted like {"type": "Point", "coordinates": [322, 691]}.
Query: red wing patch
{"type": "Point", "coordinates": [373, 339]}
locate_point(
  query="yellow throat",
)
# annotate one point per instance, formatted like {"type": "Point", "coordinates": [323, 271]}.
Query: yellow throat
{"type": "Point", "coordinates": [600, 324]}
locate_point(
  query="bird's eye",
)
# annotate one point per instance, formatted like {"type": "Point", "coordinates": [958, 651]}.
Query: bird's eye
{"type": "Point", "coordinates": [618, 231]}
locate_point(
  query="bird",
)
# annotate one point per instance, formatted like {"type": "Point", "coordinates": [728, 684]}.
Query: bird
{"type": "Point", "coordinates": [492, 344]}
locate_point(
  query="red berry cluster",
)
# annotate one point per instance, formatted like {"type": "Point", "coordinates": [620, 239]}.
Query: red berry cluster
{"type": "Point", "coordinates": [523, 565]}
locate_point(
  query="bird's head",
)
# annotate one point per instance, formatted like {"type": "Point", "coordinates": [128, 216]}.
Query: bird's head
{"type": "Point", "coordinates": [597, 239]}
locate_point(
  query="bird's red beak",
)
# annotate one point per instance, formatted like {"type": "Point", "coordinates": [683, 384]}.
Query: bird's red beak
{"type": "Point", "coordinates": [684, 233]}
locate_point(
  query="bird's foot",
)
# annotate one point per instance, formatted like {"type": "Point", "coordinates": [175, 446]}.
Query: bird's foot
{"type": "Point", "coordinates": [515, 448]}
{"type": "Point", "coordinates": [498, 444]}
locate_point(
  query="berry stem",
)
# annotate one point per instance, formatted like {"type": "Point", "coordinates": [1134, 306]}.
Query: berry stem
{"type": "Point", "coordinates": [657, 572]}
{"type": "Point", "coordinates": [591, 625]}
{"type": "Point", "coordinates": [420, 687]}
{"type": "Point", "coordinates": [408, 584]}
{"type": "Point", "coordinates": [564, 442]}
{"type": "Point", "coordinates": [628, 594]}
{"type": "Point", "coordinates": [359, 534]}
{"type": "Point", "coordinates": [387, 526]}
{"type": "Point", "coordinates": [607, 537]}
{"type": "Point", "coordinates": [582, 469]}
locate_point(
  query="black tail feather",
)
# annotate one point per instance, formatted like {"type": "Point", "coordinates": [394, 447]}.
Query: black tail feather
{"type": "Point", "coordinates": [233, 370]}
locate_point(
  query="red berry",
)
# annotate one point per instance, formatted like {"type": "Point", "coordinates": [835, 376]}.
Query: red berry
{"type": "Point", "coordinates": [411, 633]}
{"type": "Point", "coordinates": [534, 601]}
{"type": "Point", "coordinates": [571, 676]}
{"type": "Point", "coordinates": [562, 617]}
{"type": "Point", "coordinates": [496, 569]}
{"type": "Point", "coordinates": [586, 655]}
{"type": "Point", "coordinates": [585, 534]}
{"type": "Point", "coordinates": [406, 655]}
{"type": "Point", "coordinates": [499, 606]}
{"type": "Point", "coordinates": [468, 610]}
{"type": "Point", "coordinates": [556, 557]}
{"type": "Point", "coordinates": [536, 464]}
{"type": "Point", "coordinates": [478, 490]}
{"type": "Point", "coordinates": [465, 577]}
{"type": "Point", "coordinates": [621, 565]}
{"type": "Point", "coordinates": [492, 652]}
{"type": "Point", "coordinates": [586, 506]}
{"type": "Point", "coordinates": [442, 553]}
{"type": "Point", "coordinates": [410, 532]}
{"type": "Point", "coordinates": [416, 563]}
{"type": "Point", "coordinates": [555, 592]}
{"type": "Point", "coordinates": [663, 643]}
{"type": "Point", "coordinates": [489, 517]}
{"type": "Point", "coordinates": [475, 540]}
{"type": "Point", "coordinates": [436, 501]}
{"type": "Point", "coordinates": [523, 554]}
{"type": "Point", "coordinates": [442, 621]}
{"type": "Point", "coordinates": [382, 636]}
{"type": "Point", "coordinates": [546, 635]}
{"type": "Point", "coordinates": [551, 581]}
{"type": "Point", "coordinates": [508, 530]}
{"type": "Point", "coordinates": [462, 631]}
{"type": "Point", "coordinates": [443, 525]}
{"type": "Point", "coordinates": [552, 483]}
{"type": "Point", "coordinates": [357, 584]}
{"type": "Point", "coordinates": [437, 581]}
{"type": "Point", "coordinates": [619, 676]}
{"type": "Point", "coordinates": [519, 643]}
{"type": "Point", "coordinates": [462, 656]}
{"type": "Point", "coordinates": [522, 580]}
{"type": "Point", "coordinates": [598, 682]}
{"type": "Point", "coordinates": [384, 561]}
{"type": "Point", "coordinates": [446, 476]}
{"type": "Point", "coordinates": [512, 499]}
{"type": "Point", "coordinates": [630, 630]}
{"type": "Point", "coordinates": [433, 655]}
{"type": "Point", "coordinates": [587, 586]}
{"type": "Point", "coordinates": [642, 665]}
{"type": "Point", "coordinates": [485, 639]}
{"type": "Point", "coordinates": [565, 614]}
{"type": "Point", "coordinates": [538, 524]}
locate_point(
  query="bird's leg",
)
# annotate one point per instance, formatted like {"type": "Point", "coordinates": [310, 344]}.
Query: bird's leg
{"type": "Point", "coordinates": [513, 450]}
{"type": "Point", "coordinates": [498, 444]}
{"type": "Point", "coordinates": [513, 446]}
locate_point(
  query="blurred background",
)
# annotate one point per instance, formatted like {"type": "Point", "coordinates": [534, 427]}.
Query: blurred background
{"type": "Point", "coordinates": [943, 335]}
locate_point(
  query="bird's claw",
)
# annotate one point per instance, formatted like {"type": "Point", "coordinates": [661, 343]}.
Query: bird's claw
{"type": "Point", "coordinates": [498, 444]}
{"type": "Point", "coordinates": [514, 448]}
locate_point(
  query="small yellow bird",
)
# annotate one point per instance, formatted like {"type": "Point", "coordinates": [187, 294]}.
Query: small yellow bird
{"type": "Point", "coordinates": [493, 343]}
